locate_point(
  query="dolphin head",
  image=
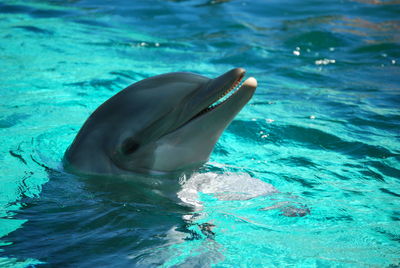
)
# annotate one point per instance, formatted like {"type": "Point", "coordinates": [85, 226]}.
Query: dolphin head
{"type": "Point", "coordinates": [161, 124]}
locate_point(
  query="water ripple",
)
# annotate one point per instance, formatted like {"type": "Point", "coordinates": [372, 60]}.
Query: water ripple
{"type": "Point", "coordinates": [322, 128]}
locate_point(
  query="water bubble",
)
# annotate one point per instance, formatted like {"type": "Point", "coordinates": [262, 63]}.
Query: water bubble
{"type": "Point", "coordinates": [324, 61]}
{"type": "Point", "coordinates": [312, 117]}
{"type": "Point", "coordinates": [296, 52]}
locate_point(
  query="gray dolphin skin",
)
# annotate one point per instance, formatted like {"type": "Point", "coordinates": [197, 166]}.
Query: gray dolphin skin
{"type": "Point", "coordinates": [161, 124]}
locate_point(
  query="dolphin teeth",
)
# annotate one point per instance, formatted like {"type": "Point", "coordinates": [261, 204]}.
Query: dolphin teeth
{"type": "Point", "coordinates": [222, 99]}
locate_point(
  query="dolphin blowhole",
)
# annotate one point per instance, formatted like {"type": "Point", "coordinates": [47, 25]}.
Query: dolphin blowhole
{"type": "Point", "coordinates": [161, 124]}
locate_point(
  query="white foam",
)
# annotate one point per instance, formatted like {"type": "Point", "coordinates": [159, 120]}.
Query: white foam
{"type": "Point", "coordinates": [227, 186]}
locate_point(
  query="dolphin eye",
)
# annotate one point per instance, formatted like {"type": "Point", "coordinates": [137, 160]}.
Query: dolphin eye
{"type": "Point", "coordinates": [129, 146]}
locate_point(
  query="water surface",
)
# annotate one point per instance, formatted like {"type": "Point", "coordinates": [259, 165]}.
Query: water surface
{"type": "Point", "coordinates": [322, 128]}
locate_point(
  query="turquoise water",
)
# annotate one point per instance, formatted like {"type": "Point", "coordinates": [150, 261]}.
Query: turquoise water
{"type": "Point", "coordinates": [322, 128]}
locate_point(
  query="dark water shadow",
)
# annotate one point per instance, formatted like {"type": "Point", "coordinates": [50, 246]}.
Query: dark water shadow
{"type": "Point", "coordinates": [98, 222]}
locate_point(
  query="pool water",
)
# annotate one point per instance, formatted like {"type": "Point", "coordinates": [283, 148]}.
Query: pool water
{"type": "Point", "coordinates": [323, 129]}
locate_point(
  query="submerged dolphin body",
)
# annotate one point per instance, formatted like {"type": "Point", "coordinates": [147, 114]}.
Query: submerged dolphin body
{"type": "Point", "coordinates": [161, 124]}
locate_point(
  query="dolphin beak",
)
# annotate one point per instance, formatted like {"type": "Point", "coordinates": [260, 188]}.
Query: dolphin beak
{"type": "Point", "coordinates": [213, 96]}
{"type": "Point", "coordinates": [228, 80]}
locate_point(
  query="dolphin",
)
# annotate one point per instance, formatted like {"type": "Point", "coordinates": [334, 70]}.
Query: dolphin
{"type": "Point", "coordinates": [159, 125]}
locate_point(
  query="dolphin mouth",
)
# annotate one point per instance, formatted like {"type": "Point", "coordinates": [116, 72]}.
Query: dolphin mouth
{"type": "Point", "coordinates": [226, 92]}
